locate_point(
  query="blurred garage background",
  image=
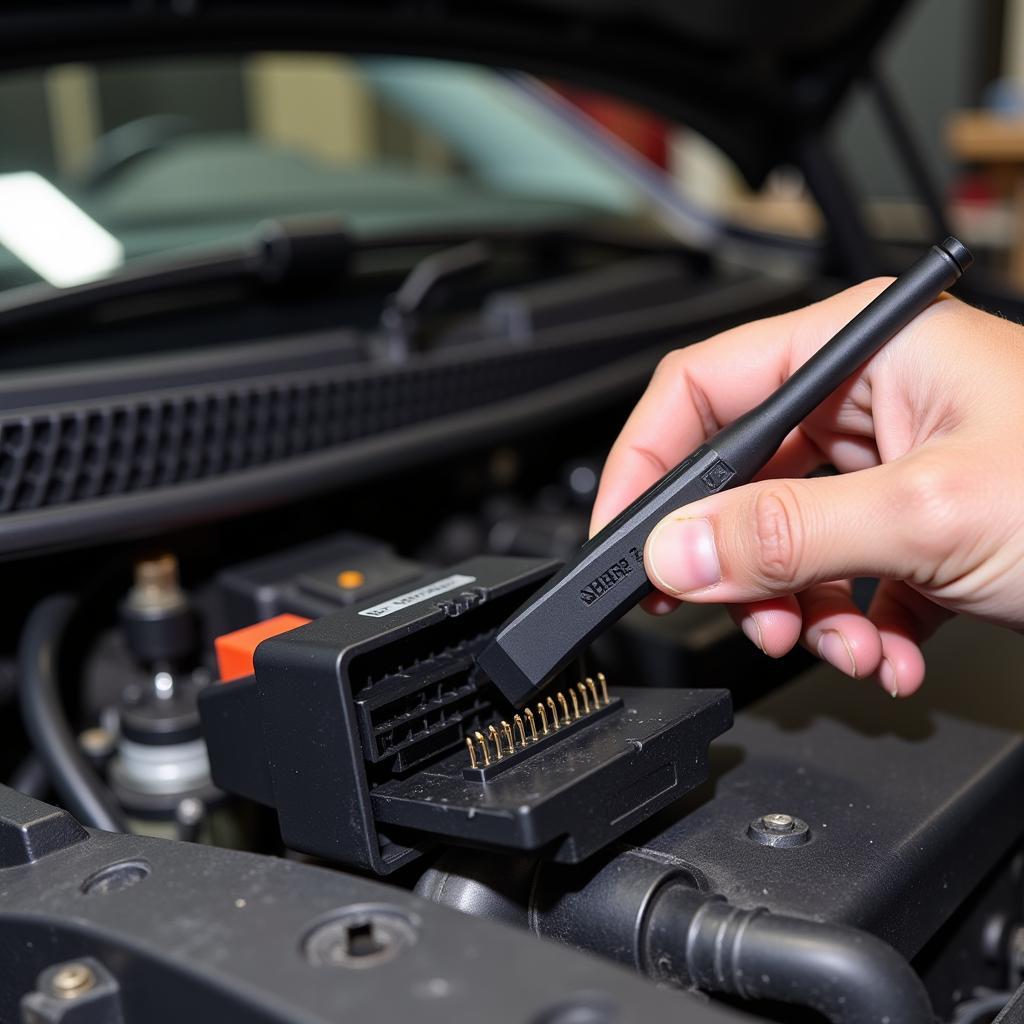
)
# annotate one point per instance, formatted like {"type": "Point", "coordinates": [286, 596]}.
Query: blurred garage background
{"type": "Point", "coordinates": [959, 67]}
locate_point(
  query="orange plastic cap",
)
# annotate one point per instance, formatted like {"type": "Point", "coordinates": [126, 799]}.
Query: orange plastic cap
{"type": "Point", "coordinates": [235, 650]}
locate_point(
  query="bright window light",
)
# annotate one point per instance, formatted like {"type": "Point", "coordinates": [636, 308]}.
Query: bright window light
{"type": "Point", "coordinates": [50, 234]}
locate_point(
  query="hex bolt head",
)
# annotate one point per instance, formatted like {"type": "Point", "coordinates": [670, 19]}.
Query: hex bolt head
{"type": "Point", "coordinates": [779, 830]}
{"type": "Point", "coordinates": [73, 980]}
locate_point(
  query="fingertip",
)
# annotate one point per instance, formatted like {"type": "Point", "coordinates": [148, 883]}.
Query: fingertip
{"type": "Point", "coordinates": [838, 632]}
{"type": "Point", "coordinates": [905, 619]}
{"type": "Point", "coordinates": [847, 640]}
{"type": "Point", "coordinates": [902, 668]}
{"type": "Point", "coordinates": [681, 558]}
{"type": "Point", "coordinates": [772, 626]}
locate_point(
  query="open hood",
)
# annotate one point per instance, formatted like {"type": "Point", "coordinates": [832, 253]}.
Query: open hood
{"type": "Point", "coordinates": [756, 78]}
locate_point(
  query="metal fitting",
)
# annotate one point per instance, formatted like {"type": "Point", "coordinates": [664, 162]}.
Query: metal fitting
{"type": "Point", "coordinates": [777, 829]}
{"type": "Point", "coordinates": [73, 980]}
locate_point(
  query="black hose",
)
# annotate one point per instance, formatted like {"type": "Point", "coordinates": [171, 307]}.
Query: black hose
{"type": "Point", "coordinates": [78, 786]}
{"type": "Point", "coordinates": [847, 975]}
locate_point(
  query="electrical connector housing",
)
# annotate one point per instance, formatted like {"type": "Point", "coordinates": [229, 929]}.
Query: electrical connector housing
{"type": "Point", "coordinates": [354, 728]}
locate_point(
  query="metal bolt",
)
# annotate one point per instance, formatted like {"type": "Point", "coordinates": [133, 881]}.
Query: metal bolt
{"type": "Point", "coordinates": [779, 830]}
{"type": "Point", "coordinates": [190, 811]}
{"type": "Point", "coordinates": [73, 980]}
{"type": "Point", "coordinates": [163, 684]}
{"type": "Point", "coordinates": [778, 822]}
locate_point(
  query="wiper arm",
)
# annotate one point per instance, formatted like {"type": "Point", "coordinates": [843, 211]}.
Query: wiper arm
{"type": "Point", "coordinates": [401, 313]}
{"type": "Point", "coordinates": [280, 253]}
{"type": "Point", "coordinates": [295, 253]}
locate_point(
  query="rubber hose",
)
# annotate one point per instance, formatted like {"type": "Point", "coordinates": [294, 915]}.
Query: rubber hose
{"type": "Point", "coordinates": [845, 974]}
{"type": "Point", "coordinates": [81, 790]}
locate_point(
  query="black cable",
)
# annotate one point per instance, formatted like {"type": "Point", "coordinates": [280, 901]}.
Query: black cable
{"type": "Point", "coordinates": [78, 786]}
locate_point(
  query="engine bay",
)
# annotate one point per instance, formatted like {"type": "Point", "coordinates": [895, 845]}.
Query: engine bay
{"type": "Point", "coordinates": [270, 486]}
{"type": "Point", "coordinates": [827, 817]}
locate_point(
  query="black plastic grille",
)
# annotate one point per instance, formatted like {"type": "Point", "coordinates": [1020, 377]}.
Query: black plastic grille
{"type": "Point", "coordinates": [159, 439]}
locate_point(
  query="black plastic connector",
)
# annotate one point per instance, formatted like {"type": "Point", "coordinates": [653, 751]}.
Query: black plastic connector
{"type": "Point", "coordinates": [575, 793]}
{"type": "Point", "coordinates": [375, 736]}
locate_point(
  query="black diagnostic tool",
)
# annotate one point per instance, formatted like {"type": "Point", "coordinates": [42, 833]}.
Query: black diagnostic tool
{"type": "Point", "coordinates": [608, 578]}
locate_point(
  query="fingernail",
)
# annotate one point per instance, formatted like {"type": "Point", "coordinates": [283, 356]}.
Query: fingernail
{"type": "Point", "coordinates": [681, 556]}
{"type": "Point", "coordinates": [752, 630]}
{"type": "Point", "coordinates": [834, 648]}
{"type": "Point", "coordinates": [887, 677]}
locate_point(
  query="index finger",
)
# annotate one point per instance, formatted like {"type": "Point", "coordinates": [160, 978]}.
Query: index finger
{"type": "Point", "coordinates": [699, 389]}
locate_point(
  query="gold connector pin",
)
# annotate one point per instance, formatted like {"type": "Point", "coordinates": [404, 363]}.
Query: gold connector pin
{"type": "Point", "coordinates": [532, 723]}
{"type": "Point", "coordinates": [510, 737]}
{"type": "Point", "coordinates": [554, 711]}
{"type": "Point", "coordinates": [495, 738]}
{"type": "Point", "coordinates": [482, 743]}
{"type": "Point", "coordinates": [564, 705]}
{"type": "Point", "coordinates": [517, 721]}
{"type": "Point", "coordinates": [586, 699]}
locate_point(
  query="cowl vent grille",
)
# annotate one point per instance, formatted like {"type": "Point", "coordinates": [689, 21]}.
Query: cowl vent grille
{"type": "Point", "coordinates": [160, 439]}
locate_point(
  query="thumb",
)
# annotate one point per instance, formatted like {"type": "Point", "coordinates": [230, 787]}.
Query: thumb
{"type": "Point", "coordinates": [782, 536]}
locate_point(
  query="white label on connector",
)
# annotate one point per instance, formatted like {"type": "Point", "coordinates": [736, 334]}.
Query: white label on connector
{"type": "Point", "coordinates": [396, 604]}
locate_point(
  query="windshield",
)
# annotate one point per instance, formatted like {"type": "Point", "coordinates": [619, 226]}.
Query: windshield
{"type": "Point", "coordinates": [105, 164]}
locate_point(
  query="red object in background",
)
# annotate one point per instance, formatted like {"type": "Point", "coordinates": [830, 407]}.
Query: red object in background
{"type": "Point", "coordinates": [235, 650]}
{"type": "Point", "coordinates": [647, 134]}
{"type": "Point", "coordinates": [974, 188]}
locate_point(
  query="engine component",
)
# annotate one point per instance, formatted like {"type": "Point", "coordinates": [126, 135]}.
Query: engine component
{"type": "Point", "coordinates": [192, 932]}
{"type": "Point", "coordinates": [156, 615]}
{"type": "Point", "coordinates": [161, 758]}
{"type": "Point", "coordinates": [846, 975]}
{"type": "Point", "coordinates": [912, 805]}
{"type": "Point", "coordinates": [312, 580]}
{"type": "Point", "coordinates": [373, 734]}
{"type": "Point", "coordinates": [74, 992]}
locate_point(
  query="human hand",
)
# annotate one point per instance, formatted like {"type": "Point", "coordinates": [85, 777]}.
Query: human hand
{"type": "Point", "coordinates": [928, 439]}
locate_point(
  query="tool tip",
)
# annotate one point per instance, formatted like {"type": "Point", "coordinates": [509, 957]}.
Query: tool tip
{"type": "Point", "coordinates": [503, 671]}
{"type": "Point", "coordinates": [958, 252]}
